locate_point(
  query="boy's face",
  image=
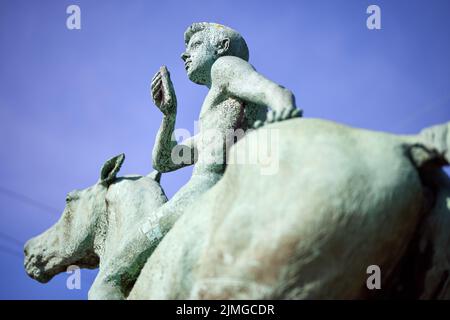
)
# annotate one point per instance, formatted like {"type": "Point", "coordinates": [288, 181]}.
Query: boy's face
{"type": "Point", "coordinates": [199, 57]}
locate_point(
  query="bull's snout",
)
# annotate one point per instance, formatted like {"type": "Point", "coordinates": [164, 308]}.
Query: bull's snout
{"type": "Point", "coordinates": [26, 248]}
{"type": "Point", "coordinates": [35, 261]}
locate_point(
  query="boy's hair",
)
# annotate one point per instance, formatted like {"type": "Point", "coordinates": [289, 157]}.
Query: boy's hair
{"type": "Point", "coordinates": [238, 46]}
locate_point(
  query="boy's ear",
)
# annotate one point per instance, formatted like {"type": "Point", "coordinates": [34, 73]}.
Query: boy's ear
{"type": "Point", "coordinates": [223, 46]}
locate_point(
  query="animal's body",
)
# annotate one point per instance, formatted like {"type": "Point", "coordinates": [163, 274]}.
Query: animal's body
{"type": "Point", "coordinates": [342, 200]}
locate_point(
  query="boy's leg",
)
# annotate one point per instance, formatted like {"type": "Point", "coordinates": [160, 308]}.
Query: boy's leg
{"type": "Point", "coordinates": [119, 272]}
{"type": "Point", "coordinates": [162, 220]}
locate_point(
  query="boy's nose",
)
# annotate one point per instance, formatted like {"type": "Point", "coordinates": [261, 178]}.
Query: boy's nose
{"type": "Point", "coordinates": [184, 56]}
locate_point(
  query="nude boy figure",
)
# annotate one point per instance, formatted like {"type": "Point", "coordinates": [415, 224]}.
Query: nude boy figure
{"type": "Point", "coordinates": [238, 98]}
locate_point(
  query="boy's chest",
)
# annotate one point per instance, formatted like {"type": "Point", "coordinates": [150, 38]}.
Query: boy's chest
{"type": "Point", "coordinates": [221, 112]}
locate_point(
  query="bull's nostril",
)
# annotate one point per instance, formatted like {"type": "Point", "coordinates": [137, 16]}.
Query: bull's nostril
{"type": "Point", "coordinates": [26, 247]}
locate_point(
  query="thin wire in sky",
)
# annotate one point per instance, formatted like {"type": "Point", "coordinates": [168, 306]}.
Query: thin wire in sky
{"type": "Point", "coordinates": [11, 239]}
{"type": "Point", "coordinates": [27, 200]}
{"type": "Point", "coordinates": [10, 251]}
{"type": "Point", "coordinates": [420, 112]}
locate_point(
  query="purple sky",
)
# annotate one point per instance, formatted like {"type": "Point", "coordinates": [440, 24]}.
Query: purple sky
{"type": "Point", "coordinates": [70, 99]}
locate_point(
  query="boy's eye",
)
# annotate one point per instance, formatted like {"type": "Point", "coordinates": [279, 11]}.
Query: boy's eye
{"type": "Point", "coordinates": [197, 43]}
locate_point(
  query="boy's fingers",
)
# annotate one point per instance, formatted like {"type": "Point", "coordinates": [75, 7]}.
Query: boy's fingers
{"type": "Point", "coordinates": [165, 78]}
{"type": "Point", "coordinates": [157, 75]}
{"type": "Point", "coordinates": [158, 95]}
{"type": "Point", "coordinates": [296, 113]}
{"type": "Point", "coordinates": [167, 97]}
{"type": "Point", "coordinates": [288, 113]}
{"type": "Point", "coordinates": [284, 114]}
{"type": "Point", "coordinates": [156, 88]}
{"type": "Point", "coordinates": [167, 87]}
{"type": "Point", "coordinates": [257, 124]}
{"type": "Point", "coordinates": [156, 79]}
{"type": "Point", "coordinates": [163, 70]}
{"type": "Point", "coordinates": [270, 116]}
{"type": "Point", "coordinates": [156, 84]}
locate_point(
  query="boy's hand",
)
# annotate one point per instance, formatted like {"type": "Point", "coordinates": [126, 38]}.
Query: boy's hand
{"type": "Point", "coordinates": [163, 94]}
{"type": "Point", "coordinates": [275, 116]}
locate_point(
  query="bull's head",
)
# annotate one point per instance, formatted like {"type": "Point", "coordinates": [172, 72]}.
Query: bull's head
{"type": "Point", "coordinates": [74, 239]}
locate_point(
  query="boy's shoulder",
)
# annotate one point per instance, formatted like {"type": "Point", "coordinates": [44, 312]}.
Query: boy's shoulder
{"type": "Point", "coordinates": [228, 66]}
{"type": "Point", "coordinates": [229, 60]}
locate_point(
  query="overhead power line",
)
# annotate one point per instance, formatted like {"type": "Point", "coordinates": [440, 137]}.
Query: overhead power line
{"type": "Point", "coordinates": [10, 251]}
{"type": "Point", "coordinates": [11, 239]}
{"type": "Point", "coordinates": [27, 200]}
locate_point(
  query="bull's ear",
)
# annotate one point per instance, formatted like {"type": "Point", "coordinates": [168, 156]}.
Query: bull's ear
{"type": "Point", "coordinates": [110, 169]}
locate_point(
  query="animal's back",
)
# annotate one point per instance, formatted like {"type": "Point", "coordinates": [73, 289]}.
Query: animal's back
{"type": "Point", "coordinates": [341, 199]}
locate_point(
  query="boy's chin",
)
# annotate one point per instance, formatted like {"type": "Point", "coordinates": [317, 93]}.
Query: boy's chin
{"type": "Point", "coordinates": [195, 78]}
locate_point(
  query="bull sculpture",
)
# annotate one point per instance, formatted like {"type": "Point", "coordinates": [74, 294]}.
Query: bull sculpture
{"type": "Point", "coordinates": [343, 199]}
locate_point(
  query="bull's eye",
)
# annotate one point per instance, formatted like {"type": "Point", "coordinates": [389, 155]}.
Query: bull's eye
{"type": "Point", "coordinates": [71, 196]}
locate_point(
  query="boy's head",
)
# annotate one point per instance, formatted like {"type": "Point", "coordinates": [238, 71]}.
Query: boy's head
{"type": "Point", "coordinates": [205, 43]}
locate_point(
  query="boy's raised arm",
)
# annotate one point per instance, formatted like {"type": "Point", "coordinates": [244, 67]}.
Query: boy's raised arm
{"type": "Point", "coordinates": [164, 98]}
